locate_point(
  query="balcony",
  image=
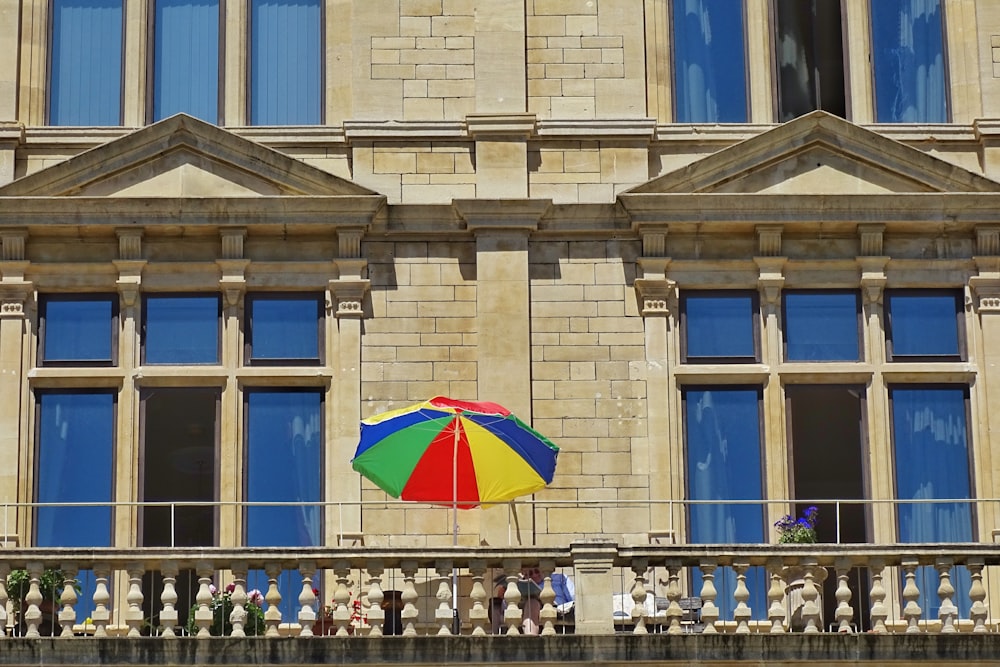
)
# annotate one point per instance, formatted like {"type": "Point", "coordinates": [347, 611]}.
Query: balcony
{"type": "Point", "coordinates": [633, 604]}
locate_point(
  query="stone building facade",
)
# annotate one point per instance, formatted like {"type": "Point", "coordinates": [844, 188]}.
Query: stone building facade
{"type": "Point", "coordinates": [499, 203]}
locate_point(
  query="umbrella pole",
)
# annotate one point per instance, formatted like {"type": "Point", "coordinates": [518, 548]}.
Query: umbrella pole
{"type": "Point", "coordinates": [456, 628]}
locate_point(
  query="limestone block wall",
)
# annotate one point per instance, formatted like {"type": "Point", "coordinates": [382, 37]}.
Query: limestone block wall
{"type": "Point", "coordinates": [588, 388]}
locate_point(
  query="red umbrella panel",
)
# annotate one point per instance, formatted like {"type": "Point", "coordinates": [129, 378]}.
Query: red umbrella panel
{"type": "Point", "coordinates": [456, 453]}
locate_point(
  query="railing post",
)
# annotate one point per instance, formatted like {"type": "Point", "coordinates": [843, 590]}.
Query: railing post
{"type": "Point", "coordinates": [133, 615]}
{"type": "Point", "coordinates": [638, 595]}
{"type": "Point", "coordinates": [168, 598]}
{"type": "Point", "coordinates": [547, 614]}
{"type": "Point", "coordinates": [409, 597]}
{"type": "Point", "coordinates": [33, 614]}
{"type": "Point", "coordinates": [947, 612]}
{"type": "Point", "coordinates": [101, 615]}
{"type": "Point", "coordinates": [776, 594]}
{"type": "Point", "coordinates": [512, 614]}
{"type": "Point", "coordinates": [911, 610]}
{"type": "Point", "coordinates": [4, 572]}
{"type": "Point", "coordinates": [845, 613]}
{"type": "Point", "coordinates": [709, 610]}
{"type": "Point", "coordinates": [68, 599]}
{"type": "Point", "coordinates": [810, 595]}
{"type": "Point", "coordinates": [879, 612]}
{"type": "Point", "coordinates": [444, 615]}
{"type": "Point", "coordinates": [592, 563]}
{"type": "Point", "coordinates": [376, 615]}
{"type": "Point", "coordinates": [238, 617]}
{"type": "Point", "coordinates": [674, 611]}
{"type": "Point", "coordinates": [342, 597]}
{"type": "Point", "coordinates": [479, 615]}
{"type": "Point", "coordinates": [742, 613]}
{"type": "Point", "coordinates": [272, 615]}
{"type": "Point", "coordinates": [977, 593]}
{"type": "Point", "coordinates": [307, 598]}
{"type": "Point", "coordinates": [203, 615]}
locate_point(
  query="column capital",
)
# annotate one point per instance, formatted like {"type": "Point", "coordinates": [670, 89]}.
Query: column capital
{"type": "Point", "coordinates": [770, 278]}
{"type": "Point", "coordinates": [873, 278]}
{"type": "Point", "coordinates": [985, 293]}
{"type": "Point", "coordinates": [347, 297]}
{"type": "Point", "coordinates": [658, 295]}
{"type": "Point", "coordinates": [129, 280]}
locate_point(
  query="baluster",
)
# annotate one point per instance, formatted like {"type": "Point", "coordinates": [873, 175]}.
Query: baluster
{"type": "Point", "coordinates": [4, 597]}
{"type": "Point", "coordinates": [742, 613]}
{"type": "Point", "coordinates": [879, 612]}
{"type": "Point", "coordinates": [845, 613]}
{"type": "Point", "coordinates": [911, 610]}
{"type": "Point", "coordinates": [342, 597]}
{"type": "Point", "coordinates": [776, 595]}
{"type": "Point", "coordinates": [168, 615]}
{"type": "Point", "coordinates": [674, 611]}
{"type": "Point", "coordinates": [479, 615]}
{"type": "Point", "coordinates": [307, 599]}
{"type": "Point", "coordinates": [548, 613]}
{"type": "Point", "coordinates": [133, 615]}
{"type": "Point", "coordinates": [947, 612]}
{"type": "Point", "coordinates": [68, 599]}
{"type": "Point", "coordinates": [443, 615]}
{"type": "Point", "coordinates": [272, 615]}
{"type": "Point", "coordinates": [512, 597]}
{"type": "Point", "coordinates": [409, 597]}
{"type": "Point", "coordinates": [376, 615]}
{"type": "Point", "coordinates": [810, 594]}
{"type": "Point", "coordinates": [977, 593]}
{"type": "Point", "coordinates": [101, 615]}
{"type": "Point", "coordinates": [709, 610]}
{"type": "Point", "coordinates": [238, 617]}
{"type": "Point", "coordinates": [638, 594]}
{"type": "Point", "coordinates": [203, 614]}
{"type": "Point", "coordinates": [33, 613]}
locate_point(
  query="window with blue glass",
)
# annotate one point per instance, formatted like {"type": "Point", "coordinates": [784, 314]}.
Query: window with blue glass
{"type": "Point", "coordinates": [181, 329]}
{"type": "Point", "coordinates": [924, 325]}
{"type": "Point", "coordinates": [931, 452]}
{"type": "Point", "coordinates": [74, 459]}
{"type": "Point", "coordinates": [284, 328]}
{"type": "Point", "coordinates": [77, 329]}
{"type": "Point", "coordinates": [186, 59]}
{"type": "Point", "coordinates": [286, 62]}
{"type": "Point", "coordinates": [284, 464]}
{"type": "Point", "coordinates": [722, 428]}
{"type": "Point", "coordinates": [822, 326]}
{"type": "Point", "coordinates": [719, 326]}
{"type": "Point", "coordinates": [909, 62]}
{"type": "Point", "coordinates": [709, 61]}
{"type": "Point", "coordinates": [85, 75]}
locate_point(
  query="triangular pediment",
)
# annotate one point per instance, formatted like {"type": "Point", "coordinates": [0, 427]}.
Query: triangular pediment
{"type": "Point", "coordinates": [181, 156]}
{"type": "Point", "coordinates": [819, 153]}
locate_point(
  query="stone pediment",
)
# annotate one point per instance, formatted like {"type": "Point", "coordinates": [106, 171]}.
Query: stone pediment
{"type": "Point", "coordinates": [819, 154]}
{"type": "Point", "coordinates": [181, 156]}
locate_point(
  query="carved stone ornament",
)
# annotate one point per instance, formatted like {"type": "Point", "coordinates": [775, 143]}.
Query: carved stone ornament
{"type": "Point", "coordinates": [985, 293]}
{"type": "Point", "coordinates": [11, 307]}
{"type": "Point", "coordinates": [658, 296]}
{"type": "Point", "coordinates": [349, 295]}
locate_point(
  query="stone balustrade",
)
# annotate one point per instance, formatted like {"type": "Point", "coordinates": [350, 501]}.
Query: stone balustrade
{"type": "Point", "coordinates": [602, 571]}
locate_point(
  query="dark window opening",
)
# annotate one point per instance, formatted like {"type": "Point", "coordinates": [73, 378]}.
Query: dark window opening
{"type": "Point", "coordinates": [809, 56]}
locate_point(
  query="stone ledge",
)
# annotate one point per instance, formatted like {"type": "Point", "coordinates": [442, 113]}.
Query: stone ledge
{"type": "Point", "coordinates": [654, 649]}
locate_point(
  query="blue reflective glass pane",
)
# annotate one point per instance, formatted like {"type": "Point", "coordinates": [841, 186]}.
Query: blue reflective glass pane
{"type": "Point", "coordinates": [924, 324]}
{"type": "Point", "coordinates": [719, 326]}
{"type": "Point", "coordinates": [908, 58]}
{"type": "Point", "coordinates": [821, 326]}
{"type": "Point", "coordinates": [709, 66]}
{"type": "Point", "coordinates": [284, 465]}
{"type": "Point", "coordinates": [75, 446]}
{"type": "Point", "coordinates": [930, 434]}
{"type": "Point", "coordinates": [285, 62]}
{"type": "Point", "coordinates": [85, 84]}
{"type": "Point", "coordinates": [186, 59]}
{"type": "Point", "coordinates": [285, 328]}
{"type": "Point", "coordinates": [78, 329]}
{"type": "Point", "coordinates": [182, 329]}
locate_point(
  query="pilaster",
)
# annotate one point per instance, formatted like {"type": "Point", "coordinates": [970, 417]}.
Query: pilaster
{"type": "Point", "coordinates": [500, 58]}
{"type": "Point", "coordinates": [501, 153]}
{"type": "Point", "coordinates": [592, 563]}
{"type": "Point", "coordinates": [770, 282]}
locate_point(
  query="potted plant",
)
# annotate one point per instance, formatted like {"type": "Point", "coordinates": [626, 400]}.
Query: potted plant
{"type": "Point", "coordinates": [50, 585]}
{"type": "Point", "coordinates": [222, 607]}
{"type": "Point", "coordinates": [802, 530]}
{"type": "Point", "coordinates": [798, 531]}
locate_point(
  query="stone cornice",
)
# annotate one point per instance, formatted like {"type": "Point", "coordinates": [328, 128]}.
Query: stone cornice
{"type": "Point", "coordinates": [501, 214]}
{"type": "Point", "coordinates": [625, 128]}
{"type": "Point", "coordinates": [500, 125]}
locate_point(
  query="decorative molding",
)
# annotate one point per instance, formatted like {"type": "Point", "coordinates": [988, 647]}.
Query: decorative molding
{"type": "Point", "coordinates": [233, 280]}
{"type": "Point", "coordinates": [348, 296]}
{"type": "Point", "coordinates": [873, 278]}
{"type": "Point", "coordinates": [13, 241]}
{"type": "Point", "coordinates": [501, 214]}
{"type": "Point", "coordinates": [658, 296]}
{"type": "Point", "coordinates": [770, 280]}
{"type": "Point", "coordinates": [501, 125]}
{"type": "Point", "coordinates": [129, 243]}
{"type": "Point", "coordinates": [988, 240]}
{"type": "Point", "coordinates": [232, 242]}
{"type": "Point", "coordinates": [871, 237]}
{"type": "Point", "coordinates": [349, 243]}
{"type": "Point", "coordinates": [985, 293]}
{"type": "Point", "coordinates": [654, 243]}
{"type": "Point", "coordinates": [11, 307]}
{"type": "Point", "coordinates": [129, 281]}
{"type": "Point", "coordinates": [769, 240]}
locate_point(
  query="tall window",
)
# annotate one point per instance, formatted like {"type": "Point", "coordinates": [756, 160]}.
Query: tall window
{"type": "Point", "coordinates": [85, 82]}
{"type": "Point", "coordinates": [723, 441]}
{"type": "Point", "coordinates": [285, 62]}
{"type": "Point", "coordinates": [709, 61]}
{"type": "Point", "coordinates": [908, 59]}
{"type": "Point", "coordinates": [929, 429]}
{"type": "Point", "coordinates": [810, 57]}
{"type": "Point", "coordinates": [186, 59]}
{"type": "Point", "coordinates": [822, 326]}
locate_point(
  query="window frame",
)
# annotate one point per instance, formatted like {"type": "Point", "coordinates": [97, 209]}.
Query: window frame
{"type": "Point", "coordinates": [960, 330]}
{"type": "Point", "coordinates": [144, 324]}
{"type": "Point", "coordinates": [248, 303]}
{"type": "Point", "coordinates": [722, 293]}
{"type": "Point", "coordinates": [672, 42]}
{"type": "Point", "coordinates": [43, 301]}
{"type": "Point", "coordinates": [859, 328]}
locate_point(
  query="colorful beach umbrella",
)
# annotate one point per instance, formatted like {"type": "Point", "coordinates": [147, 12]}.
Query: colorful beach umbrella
{"type": "Point", "coordinates": [456, 453]}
